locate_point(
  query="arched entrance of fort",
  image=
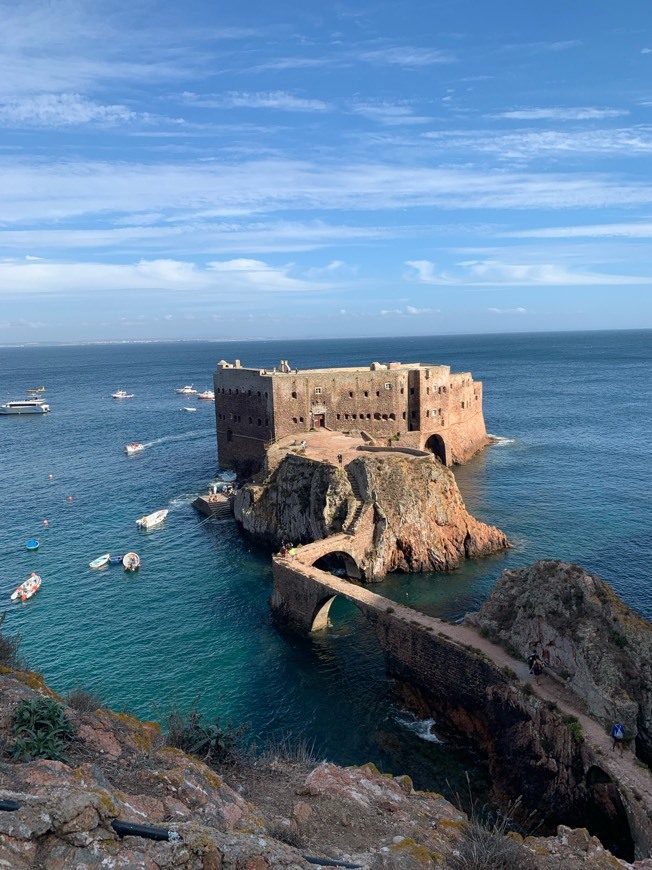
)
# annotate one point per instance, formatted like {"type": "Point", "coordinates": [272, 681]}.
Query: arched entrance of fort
{"type": "Point", "coordinates": [436, 445]}
{"type": "Point", "coordinates": [340, 564]}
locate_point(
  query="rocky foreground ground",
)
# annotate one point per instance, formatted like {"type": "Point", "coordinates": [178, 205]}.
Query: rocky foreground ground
{"type": "Point", "coordinates": [264, 812]}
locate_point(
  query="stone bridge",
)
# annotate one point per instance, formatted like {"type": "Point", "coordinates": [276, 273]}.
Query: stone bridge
{"type": "Point", "coordinates": [450, 671]}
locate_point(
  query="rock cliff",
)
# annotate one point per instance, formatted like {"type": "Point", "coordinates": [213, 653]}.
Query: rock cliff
{"type": "Point", "coordinates": [419, 520]}
{"type": "Point", "coordinates": [269, 814]}
{"type": "Point", "coordinates": [582, 630]}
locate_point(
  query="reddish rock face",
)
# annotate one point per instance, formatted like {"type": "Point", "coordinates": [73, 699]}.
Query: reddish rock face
{"type": "Point", "coordinates": [412, 516]}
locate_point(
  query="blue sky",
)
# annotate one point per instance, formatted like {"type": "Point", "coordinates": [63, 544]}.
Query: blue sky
{"type": "Point", "coordinates": [211, 170]}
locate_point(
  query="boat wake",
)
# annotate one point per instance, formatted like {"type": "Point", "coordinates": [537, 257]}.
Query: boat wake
{"type": "Point", "coordinates": [421, 727]}
{"type": "Point", "coordinates": [499, 441]}
{"type": "Point", "coordinates": [183, 436]}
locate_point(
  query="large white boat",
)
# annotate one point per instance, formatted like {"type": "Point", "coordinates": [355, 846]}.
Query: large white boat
{"type": "Point", "coordinates": [152, 520]}
{"type": "Point", "coordinates": [25, 406]}
{"type": "Point", "coordinates": [186, 391]}
{"type": "Point", "coordinates": [207, 394]}
{"type": "Point", "coordinates": [122, 394]}
{"type": "Point", "coordinates": [136, 447]}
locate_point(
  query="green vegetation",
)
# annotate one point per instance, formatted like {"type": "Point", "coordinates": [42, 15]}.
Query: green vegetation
{"type": "Point", "coordinates": [509, 672]}
{"type": "Point", "coordinates": [84, 700]}
{"type": "Point", "coordinates": [9, 646]}
{"type": "Point", "coordinates": [41, 729]}
{"type": "Point", "coordinates": [211, 742]}
{"type": "Point", "coordinates": [619, 639]}
{"type": "Point", "coordinates": [575, 728]}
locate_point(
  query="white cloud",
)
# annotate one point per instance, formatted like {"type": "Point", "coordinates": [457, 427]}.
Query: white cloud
{"type": "Point", "coordinates": [237, 278]}
{"type": "Point", "coordinates": [281, 100]}
{"type": "Point", "coordinates": [625, 230]}
{"type": "Point", "coordinates": [409, 311]}
{"type": "Point", "coordinates": [408, 57]}
{"type": "Point", "coordinates": [507, 310]}
{"type": "Point", "coordinates": [390, 114]}
{"type": "Point", "coordinates": [580, 113]}
{"type": "Point", "coordinates": [65, 110]}
{"type": "Point", "coordinates": [494, 273]}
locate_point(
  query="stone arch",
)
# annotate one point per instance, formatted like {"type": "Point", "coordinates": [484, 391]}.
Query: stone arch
{"type": "Point", "coordinates": [320, 616]}
{"type": "Point", "coordinates": [436, 445]}
{"type": "Point", "coordinates": [340, 563]}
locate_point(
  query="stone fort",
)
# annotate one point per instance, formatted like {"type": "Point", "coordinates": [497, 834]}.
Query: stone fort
{"type": "Point", "coordinates": [417, 405]}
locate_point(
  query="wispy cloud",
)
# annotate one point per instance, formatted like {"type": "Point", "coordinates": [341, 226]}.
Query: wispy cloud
{"type": "Point", "coordinates": [408, 311]}
{"type": "Point", "coordinates": [406, 56]}
{"type": "Point", "coordinates": [493, 273]}
{"type": "Point", "coordinates": [68, 110]}
{"type": "Point", "coordinates": [247, 278]}
{"type": "Point", "coordinates": [555, 113]}
{"type": "Point", "coordinates": [507, 310]}
{"type": "Point", "coordinates": [389, 114]}
{"type": "Point", "coordinates": [641, 230]}
{"type": "Point", "coordinates": [281, 100]}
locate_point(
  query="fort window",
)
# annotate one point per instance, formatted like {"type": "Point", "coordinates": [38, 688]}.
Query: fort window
{"type": "Point", "coordinates": [338, 416]}
{"type": "Point", "coordinates": [294, 394]}
{"type": "Point", "coordinates": [427, 391]}
{"type": "Point", "coordinates": [384, 416]}
{"type": "Point", "coordinates": [229, 391]}
{"type": "Point", "coordinates": [414, 415]}
{"type": "Point", "coordinates": [251, 419]}
{"type": "Point", "coordinates": [300, 419]}
{"type": "Point", "coordinates": [230, 416]}
{"type": "Point", "coordinates": [318, 391]}
{"type": "Point", "coordinates": [258, 393]}
{"type": "Point", "coordinates": [388, 386]}
{"type": "Point", "coordinates": [462, 403]}
{"type": "Point", "coordinates": [260, 422]}
{"type": "Point", "coordinates": [346, 416]}
{"type": "Point", "coordinates": [404, 415]}
{"type": "Point", "coordinates": [249, 392]}
{"type": "Point", "coordinates": [265, 395]}
{"type": "Point", "coordinates": [350, 394]}
{"type": "Point", "coordinates": [376, 416]}
{"type": "Point", "coordinates": [229, 435]}
{"type": "Point", "coordinates": [294, 420]}
{"type": "Point", "coordinates": [237, 391]}
{"type": "Point", "coordinates": [366, 393]}
{"type": "Point", "coordinates": [354, 416]}
{"type": "Point", "coordinates": [411, 391]}
{"type": "Point", "coordinates": [378, 392]}
{"type": "Point", "coordinates": [402, 390]}
{"type": "Point", "coordinates": [368, 416]}
{"type": "Point", "coordinates": [266, 421]}
{"type": "Point", "coordinates": [392, 416]}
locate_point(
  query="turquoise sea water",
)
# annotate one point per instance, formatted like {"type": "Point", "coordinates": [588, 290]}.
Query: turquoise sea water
{"type": "Point", "coordinates": [570, 479]}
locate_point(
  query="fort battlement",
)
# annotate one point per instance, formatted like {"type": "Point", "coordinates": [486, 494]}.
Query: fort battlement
{"type": "Point", "coordinates": [424, 406]}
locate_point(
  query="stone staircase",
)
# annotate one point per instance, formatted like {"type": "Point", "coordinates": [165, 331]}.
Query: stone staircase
{"type": "Point", "coordinates": [361, 505]}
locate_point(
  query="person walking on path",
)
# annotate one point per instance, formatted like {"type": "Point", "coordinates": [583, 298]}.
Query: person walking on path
{"type": "Point", "coordinates": [340, 458]}
{"type": "Point", "coordinates": [536, 667]}
{"type": "Point", "coordinates": [617, 737]}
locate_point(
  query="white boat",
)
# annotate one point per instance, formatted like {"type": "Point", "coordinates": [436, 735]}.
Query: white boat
{"type": "Point", "coordinates": [150, 521]}
{"type": "Point", "coordinates": [207, 394]}
{"type": "Point", "coordinates": [122, 394]}
{"type": "Point", "coordinates": [136, 447]}
{"type": "Point", "coordinates": [190, 410]}
{"type": "Point", "coordinates": [27, 589]}
{"type": "Point", "coordinates": [25, 406]}
{"type": "Point", "coordinates": [100, 561]}
{"type": "Point", "coordinates": [187, 390]}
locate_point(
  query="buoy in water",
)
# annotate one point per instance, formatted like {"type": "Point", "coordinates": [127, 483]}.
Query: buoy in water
{"type": "Point", "coordinates": [46, 523]}
{"type": "Point", "coordinates": [69, 498]}
{"type": "Point", "coordinates": [51, 476]}
{"type": "Point", "coordinates": [32, 544]}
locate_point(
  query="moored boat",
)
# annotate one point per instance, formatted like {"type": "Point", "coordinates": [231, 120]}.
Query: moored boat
{"type": "Point", "coordinates": [189, 410]}
{"type": "Point", "coordinates": [122, 394]}
{"type": "Point", "coordinates": [187, 390]}
{"type": "Point", "coordinates": [207, 394]}
{"type": "Point", "coordinates": [115, 560]}
{"type": "Point", "coordinates": [25, 406]}
{"type": "Point", "coordinates": [36, 390]}
{"type": "Point", "coordinates": [136, 447]}
{"type": "Point", "coordinates": [131, 561]}
{"type": "Point", "coordinates": [28, 588]}
{"type": "Point", "coordinates": [149, 521]}
{"type": "Point", "coordinates": [100, 561]}
{"type": "Point", "coordinates": [32, 544]}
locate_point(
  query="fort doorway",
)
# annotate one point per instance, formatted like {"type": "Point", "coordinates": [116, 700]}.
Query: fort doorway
{"type": "Point", "coordinates": [436, 444]}
{"type": "Point", "coordinates": [318, 421]}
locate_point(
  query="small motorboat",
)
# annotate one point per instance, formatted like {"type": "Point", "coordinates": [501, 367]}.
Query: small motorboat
{"type": "Point", "coordinates": [131, 561]}
{"type": "Point", "coordinates": [150, 521]}
{"type": "Point", "coordinates": [32, 544]}
{"type": "Point", "coordinates": [100, 561]}
{"type": "Point", "coordinates": [186, 391]}
{"type": "Point", "coordinates": [207, 394]}
{"type": "Point", "coordinates": [189, 410]}
{"type": "Point", "coordinates": [28, 588]}
{"type": "Point", "coordinates": [136, 447]}
{"type": "Point", "coordinates": [37, 390]}
{"type": "Point", "coordinates": [115, 560]}
{"type": "Point", "coordinates": [122, 394]}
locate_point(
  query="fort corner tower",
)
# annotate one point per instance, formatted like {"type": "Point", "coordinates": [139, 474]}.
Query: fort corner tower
{"type": "Point", "coordinates": [427, 406]}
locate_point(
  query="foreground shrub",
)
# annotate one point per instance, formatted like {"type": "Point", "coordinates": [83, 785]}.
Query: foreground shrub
{"type": "Point", "coordinates": [41, 729]}
{"type": "Point", "coordinates": [84, 700]}
{"type": "Point", "coordinates": [9, 646]}
{"type": "Point", "coordinates": [212, 742]}
{"type": "Point", "coordinates": [488, 848]}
